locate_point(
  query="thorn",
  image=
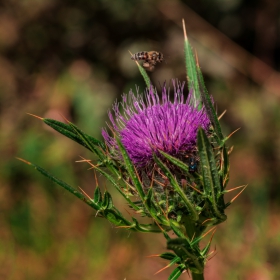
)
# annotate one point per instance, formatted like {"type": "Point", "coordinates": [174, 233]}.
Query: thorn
{"type": "Point", "coordinates": [225, 180]}
{"type": "Point", "coordinates": [195, 188]}
{"type": "Point", "coordinates": [97, 212]}
{"type": "Point", "coordinates": [124, 227]}
{"type": "Point", "coordinates": [83, 160]}
{"type": "Point", "coordinates": [162, 269]}
{"type": "Point", "coordinates": [23, 160]}
{"type": "Point", "coordinates": [196, 58]}
{"type": "Point", "coordinates": [152, 180]}
{"type": "Point", "coordinates": [212, 235]}
{"type": "Point", "coordinates": [35, 116]}
{"type": "Point", "coordinates": [128, 212]}
{"type": "Point", "coordinates": [85, 193]}
{"type": "Point", "coordinates": [214, 228]}
{"type": "Point", "coordinates": [184, 29]}
{"type": "Point", "coordinates": [159, 225]}
{"type": "Point", "coordinates": [230, 150]}
{"type": "Point", "coordinates": [165, 214]}
{"type": "Point", "coordinates": [222, 114]}
{"type": "Point", "coordinates": [232, 133]}
{"type": "Point", "coordinates": [206, 221]}
{"type": "Point", "coordinates": [151, 256]}
{"type": "Point", "coordinates": [64, 118]}
{"type": "Point", "coordinates": [193, 237]}
{"type": "Point", "coordinates": [235, 188]}
{"type": "Point", "coordinates": [88, 161]}
{"type": "Point", "coordinates": [95, 177]}
{"type": "Point", "coordinates": [129, 187]}
{"type": "Point", "coordinates": [238, 194]}
{"type": "Point", "coordinates": [213, 256]}
{"type": "Point", "coordinates": [159, 183]}
{"type": "Point", "coordinates": [212, 252]}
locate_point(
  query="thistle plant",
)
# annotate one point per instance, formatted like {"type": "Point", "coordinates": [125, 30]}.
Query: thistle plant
{"type": "Point", "coordinates": [167, 157]}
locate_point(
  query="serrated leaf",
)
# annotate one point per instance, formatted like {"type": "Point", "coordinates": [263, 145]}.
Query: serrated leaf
{"type": "Point", "coordinates": [174, 260]}
{"type": "Point", "coordinates": [180, 246]}
{"type": "Point", "coordinates": [211, 180]}
{"type": "Point", "coordinates": [208, 165]}
{"type": "Point", "coordinates": [167, 256]}
{"type": "Point", "coordinates": [137, 183]}
{"type": "Point", "coordinates": [191, 68]}
{"type": "Point", "coordinates": [176, 162]}
{"type": "Point", "coordinates": [131, 171]}
{"type": "Point", "coordinates": [206, 249]}
{"type": "Point", "coordinates": [225, 167]}
{"type": "Point", "coordinates": [187, 251]}
{"type": "Point", "coordinates": [107, 201]}
{"type": "Point", "coordinates": [69, 188]}
{"type": "Point", "coordinates": [176, 229]}
{"type": "Point", "coordinates": [87, 141]}
{"type": "Point", "coordinates": [145, 228]}
{"type": "Point", "coordinates": [97, 195]}
{"type": "Point", "coordinates": [67, 131]}
{"type": "Point", "coordinates": [175, 274]}
{"type": "Point", "coordinates": [115, 184]}
{"type": "Point", "coordinates": [116, 218]}
{"type": "Point", "coordinates": [153, 209]}
{"type": "Point", "coordinates": [180, 242]}
{"type": "Point", "coordinates": [177, 188]}
{"type": "Point", "coordinates": [167, 237]}
{"type": "Point", "coordinates": [211, 112]}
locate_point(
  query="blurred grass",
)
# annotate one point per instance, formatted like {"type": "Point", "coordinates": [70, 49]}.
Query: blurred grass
{"type": "Point", "coordinates": [72, 60]}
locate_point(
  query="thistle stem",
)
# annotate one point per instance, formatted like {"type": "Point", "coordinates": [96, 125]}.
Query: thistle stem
{"type": "Point", "coordinates": [197, 276]}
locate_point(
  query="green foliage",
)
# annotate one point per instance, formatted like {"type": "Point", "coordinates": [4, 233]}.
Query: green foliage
{"type": "Point", "coordinates": [176, 273]}
{"type": "Point", "coordinates": [210, 109]}
{"type": "Point", "coordinates": [187, 209]}
{"type": "Point", "coordinates": [191, 67]}
{"type": "Point", "coordinates": [177, 188]}
{"type": "Point", "coordinates": [71, 131]}
{"type": "Point", "coordinates": [211, 182]}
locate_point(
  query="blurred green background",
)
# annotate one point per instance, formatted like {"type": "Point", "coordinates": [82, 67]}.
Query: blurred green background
{"type": "Point", "coordinates": [70, 58]}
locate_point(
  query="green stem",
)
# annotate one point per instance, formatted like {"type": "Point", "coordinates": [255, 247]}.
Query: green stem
{"type": "Point", "coordinates": [197, 276]}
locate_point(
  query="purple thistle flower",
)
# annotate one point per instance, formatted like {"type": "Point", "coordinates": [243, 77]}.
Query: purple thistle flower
{"type": "Point", "coordinates": [151, 124]}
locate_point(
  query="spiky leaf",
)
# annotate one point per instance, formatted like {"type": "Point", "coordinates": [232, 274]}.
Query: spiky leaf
{"type": "Point", "coordinates": [175, 274]}
{"type": "Point", "coordinates": [131, 170]}
{"type": "Point", "coordinates": [107, 201]}
{"type": "Point", "coordinates": [66, 186]}
{"type": "Point", "coordinates": [168, 256]}
{"type": "Point", "coordinates": [67, 131]}
{"type": "Point", "coordinates": [116, 185]}
{"type": "Point", "coordinates": [225, 167]}
{"type": "Point", "coordinates": [87, 141]}
{"type": "Point", "coordinates": [97, 195]}
{"type": "Point", "coordinates": [177, 188]}
{"type": "Point", "coordinates": [211, 182]}
{"type": "Point", "coordinates": [177, 162]}
{"type": "Point", "coordinates": [211, 112]}
{"type": "Point", "coordinates": [191, 68]}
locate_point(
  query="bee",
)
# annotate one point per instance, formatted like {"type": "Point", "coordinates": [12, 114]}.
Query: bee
{"type": "Point", "coordinates": [150, 59]}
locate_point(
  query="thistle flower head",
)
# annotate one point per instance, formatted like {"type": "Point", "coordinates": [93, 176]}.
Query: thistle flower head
{"type": "Point", "coordinates": [153, 123]}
